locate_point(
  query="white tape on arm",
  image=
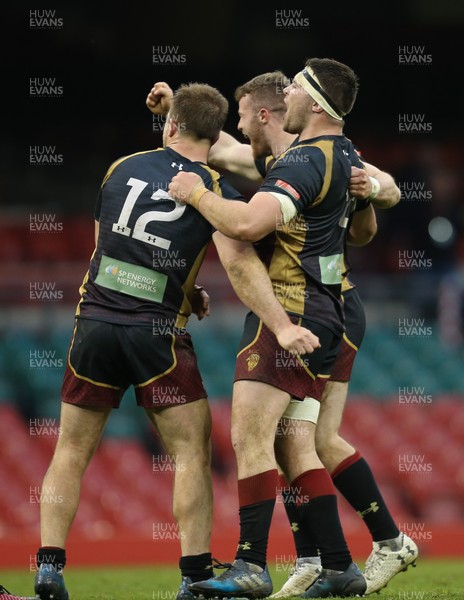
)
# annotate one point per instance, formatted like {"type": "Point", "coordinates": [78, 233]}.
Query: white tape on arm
{"type": "Point", "coordinates": [375, 188]}
{"type": "Point", "coordinates": [287, 208]}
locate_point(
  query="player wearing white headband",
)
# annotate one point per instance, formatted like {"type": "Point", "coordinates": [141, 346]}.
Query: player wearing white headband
{"type": "Point", "coordinates": [308, 80]}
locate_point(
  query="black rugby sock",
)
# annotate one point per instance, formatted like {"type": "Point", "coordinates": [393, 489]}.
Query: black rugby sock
{"type": "Point", "coordinates": [354, 479]}
{"type": "Point", "coordinates": [196, 566]}
{"type": "Point", "coordinates": [303, 538]}
{"type": "Point", "coordinates": [317, 504]}
{"type": "Point", "coordinates": [257, 496]}
{"type": "Point", "coordinates": [51, 555]}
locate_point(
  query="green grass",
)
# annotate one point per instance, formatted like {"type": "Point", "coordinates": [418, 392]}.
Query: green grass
{"type": "Point", "coordinates": [431, 580]}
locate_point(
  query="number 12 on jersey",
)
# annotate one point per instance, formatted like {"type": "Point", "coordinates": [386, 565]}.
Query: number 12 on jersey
{"type": "Point", "coordinates": [139, 233]}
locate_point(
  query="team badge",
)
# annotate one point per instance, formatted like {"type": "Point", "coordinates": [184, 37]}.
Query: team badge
{"type": "Point", "coordinates": [252, 361]}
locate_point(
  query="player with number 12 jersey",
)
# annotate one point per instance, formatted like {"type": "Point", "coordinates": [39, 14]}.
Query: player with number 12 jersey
{"type": "Point", "coordinates": [150, 247]}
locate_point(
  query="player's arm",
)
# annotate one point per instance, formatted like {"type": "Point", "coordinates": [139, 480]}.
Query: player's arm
{"type": "Point", "coordinates": [246, 222]}
{"type": "Point", "coordinates": [229, 154]}
{"type": "Point", "coordinates": [251, 283]}
{"type": "Point", "coordinates": [363, 227]}
{"type": "Point", "coordinates": [264, 213]}
{"type": "Point", "coordinates": [382, 192]}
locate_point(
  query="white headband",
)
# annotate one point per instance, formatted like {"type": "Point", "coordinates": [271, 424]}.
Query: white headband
{"type": "Point", "coordinates": [311, 84]}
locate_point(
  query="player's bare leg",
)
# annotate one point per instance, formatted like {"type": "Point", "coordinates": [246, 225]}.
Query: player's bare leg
{"type": "Point", "coordinates": [185, 432]}
{"type": "Point", "coordinates": [256, 410]}
{"type": "Point", "coordinates": [80, 432]}
{"type": "Point", "coordinates": [331, 447]}
{"type": "Point", "coordinates": [295, 447]}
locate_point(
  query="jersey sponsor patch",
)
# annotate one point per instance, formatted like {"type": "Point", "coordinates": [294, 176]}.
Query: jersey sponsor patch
{"type": "Point", "coordinates": [130, 279]}
{"type": "Point", "coordinates": [288, 188]}
{"type": "Point", "coordinates": [331, 269]}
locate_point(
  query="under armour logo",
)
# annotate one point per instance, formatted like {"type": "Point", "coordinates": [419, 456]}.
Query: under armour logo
{"type": "Point", "coordinates": [245, 546]}
{"type": "Point", "coordinates": [402, 559]}
{"type": "Point", "coordinates": [179, 166]}
{"type": "Point", "coordinates": [374, 507]}
{"type": "Point", "coordinates": [294, 527]}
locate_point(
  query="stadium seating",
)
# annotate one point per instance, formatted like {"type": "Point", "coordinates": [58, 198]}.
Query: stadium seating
{"type": "Point", "coordinates": [123, 491]}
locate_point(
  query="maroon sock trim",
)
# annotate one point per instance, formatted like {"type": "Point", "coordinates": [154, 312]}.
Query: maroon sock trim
{"type": "Point", "coordinates": [345, 464]}
{"type": "Point", "coordinates": [312, 484]}
{"type": "Point", "coordinates": [258, 488]}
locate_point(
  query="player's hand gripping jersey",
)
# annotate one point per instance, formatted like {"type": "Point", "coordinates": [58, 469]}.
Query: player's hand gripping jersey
{"type": "Point", "coordinates": [150, 247]}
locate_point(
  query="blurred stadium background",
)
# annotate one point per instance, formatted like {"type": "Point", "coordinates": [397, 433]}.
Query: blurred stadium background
{"type": "Point", "coordinates": [406, 404]}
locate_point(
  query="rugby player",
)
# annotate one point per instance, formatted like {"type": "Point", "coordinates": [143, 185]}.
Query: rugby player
{"type": "Point", "coordinates": [304, 205]}
{"type": "Point", "coordinates": [130, 331]}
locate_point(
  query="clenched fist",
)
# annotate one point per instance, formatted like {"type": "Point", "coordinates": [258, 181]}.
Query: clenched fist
{"type": "Point", "coordinates": [159, 98]}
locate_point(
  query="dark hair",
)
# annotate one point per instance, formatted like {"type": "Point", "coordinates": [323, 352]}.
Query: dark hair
{"type": "Point", "coordinates": [265, 90]}
{"type": "Point", "coordinates": [339, 82]}
{"type": "Point", "coordinates": [200, 109]}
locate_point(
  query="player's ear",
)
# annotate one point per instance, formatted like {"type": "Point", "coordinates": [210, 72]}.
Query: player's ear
{"type": "Point", "coordinates": [263, 116]}
{"type": "Point", "coordinates": [172, 127]}
{"type": "Point", "coordinates": [317, 108]}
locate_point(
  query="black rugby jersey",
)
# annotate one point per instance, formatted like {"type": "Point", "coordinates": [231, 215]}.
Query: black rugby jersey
{"type": "Point", "coordinates": [150, 247]}
{"type": "Point", "coordinates": [305, 256]}
{"type": "Point", "coordinates": [263, 164]}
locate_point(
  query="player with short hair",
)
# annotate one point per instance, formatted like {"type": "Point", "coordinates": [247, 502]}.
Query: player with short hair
{"type": "Point", "coordinates": [130, 331]}
{"type": "Point", "coordinates": [300, 215]}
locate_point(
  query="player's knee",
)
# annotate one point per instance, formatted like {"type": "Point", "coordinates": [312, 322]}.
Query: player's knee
{"type": "Point", "coordinates": [246, 441]}
{"type": "Point", "coordinates": [192, 446]}
{"type": "Point", "coordinates": [327, 445]}
{"type": "Point", "coordinates": [73, 456]}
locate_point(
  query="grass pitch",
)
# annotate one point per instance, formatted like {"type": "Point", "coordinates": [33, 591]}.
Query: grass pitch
{"type": "Point", "coordinates": [431, 580]}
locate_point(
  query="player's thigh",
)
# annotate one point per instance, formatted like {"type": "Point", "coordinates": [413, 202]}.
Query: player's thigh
{"type": "Point", "coordinates": [185, 427]}
{"type": "Point", "coordinates": [81, 428]}
{"type": "Point", "coordinates": [256, 410]}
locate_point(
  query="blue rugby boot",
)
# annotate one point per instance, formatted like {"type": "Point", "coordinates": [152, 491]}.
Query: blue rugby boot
{"type": "Point", "coordinates": [241, 580]}
{"type": "Point", "coordinates": [49, 583]}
